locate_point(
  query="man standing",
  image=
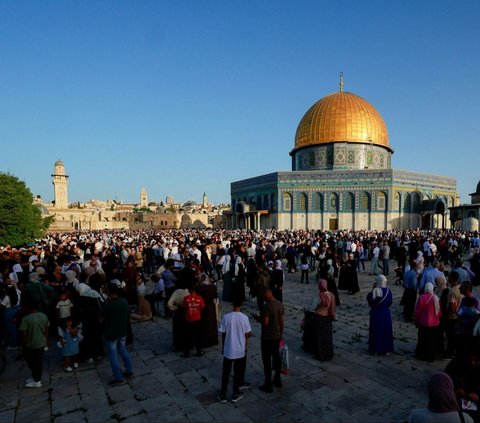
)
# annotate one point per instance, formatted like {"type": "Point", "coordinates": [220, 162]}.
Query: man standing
{"type": "Point", "coordinates": [385, 253]}
{"type": "Point", "coordinates": [235, 329]}
{"type": "Point", "coordinates": [193, 305]}
{"type": "Point", "coordinates": [272, 320]}
{"type": "Point", "coordinates": [375, 258]}
{"type": "Point", "coordinates": [34, 328]}
{"type": "Point", "coordinates": [116, 319]}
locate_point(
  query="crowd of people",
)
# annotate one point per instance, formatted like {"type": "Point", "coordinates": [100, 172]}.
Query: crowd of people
{"type": "Point", "coordinates": [92, 286]}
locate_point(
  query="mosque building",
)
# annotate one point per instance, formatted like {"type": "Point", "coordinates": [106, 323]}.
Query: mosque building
{"type": "Point", "coordinates": [342, 178]}
{"type": "Point", "coordinates": [466, 216]}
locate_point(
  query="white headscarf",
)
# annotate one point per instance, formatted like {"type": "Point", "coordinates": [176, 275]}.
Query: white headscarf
{"type": "Point", "coordinates": [278, 264]}
{"type": "Point", "coordinates": [429, 290]}
{"type": "Point", "coordinates": [85, 291]}
{"type": "Point", "coordinates": [380, 282]}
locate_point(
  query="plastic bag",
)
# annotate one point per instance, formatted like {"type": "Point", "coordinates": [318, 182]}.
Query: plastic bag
{"type": "Point", "coordinates": [284, 361]}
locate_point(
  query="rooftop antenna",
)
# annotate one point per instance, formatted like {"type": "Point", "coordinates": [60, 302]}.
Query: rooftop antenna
{"type": "Point", "coordinates": [341, 82]}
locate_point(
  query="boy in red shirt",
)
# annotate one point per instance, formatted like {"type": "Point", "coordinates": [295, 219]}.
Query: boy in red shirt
{"type": "Point", "coordinates": [193, 305]}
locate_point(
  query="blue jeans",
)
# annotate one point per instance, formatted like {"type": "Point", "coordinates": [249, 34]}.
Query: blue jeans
{"type": "Point", "coordinates": [115, 347]}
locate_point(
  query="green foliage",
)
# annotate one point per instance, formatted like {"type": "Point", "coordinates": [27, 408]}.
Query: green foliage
{"type": "Point", "coordinates": [141, 210]}
{"type": "Point", "coordinates": [20, 221]}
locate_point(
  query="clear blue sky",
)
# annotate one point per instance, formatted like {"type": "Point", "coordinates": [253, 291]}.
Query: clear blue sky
{"type": "Point", "coordinates": [183, 97]}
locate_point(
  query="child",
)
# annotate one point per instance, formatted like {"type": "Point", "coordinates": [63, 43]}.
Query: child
{"type": "Point", "coordinates": [70, 337]}
{"type": "Point", "coordinates": [64, 307]}
{"type": "Point", "coordinates": [305, 268]}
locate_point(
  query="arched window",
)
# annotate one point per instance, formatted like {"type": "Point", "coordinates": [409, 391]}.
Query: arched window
{"type": "Point", "coordinates": [287, 201]}
{"type": "Point", "coordinates": [407, 203]}
{"type": "Point", "coordinates": [333, 202]}
{"type": "Point", "coordinates": [365, 202]}
{"type": "Point", "coordinates": [259, 202]}
{"type": "Point", "coordinates": [349, 204]}
{"type": "Point", "coordinates": [381, 201]}
{"type": "Point", "coordinates": [452, 201]}
{"type": "Point", "coordinates": [302, 202]}
{"type": "Point", "coordinates": [396, 204]}
{"type": "Point", "coordinates": [416, 202]}
{"type": "Point", "coordinates": [318, 201]}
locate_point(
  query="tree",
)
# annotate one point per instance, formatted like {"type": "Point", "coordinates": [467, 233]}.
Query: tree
{"type": "Point", "coordinates": [20, 221]}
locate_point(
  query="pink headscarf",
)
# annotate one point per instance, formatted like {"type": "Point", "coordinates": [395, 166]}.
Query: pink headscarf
{"type": "Point", "coordinates": [325, 299]}
{"type": "Point", "coordinates": [441, 394]}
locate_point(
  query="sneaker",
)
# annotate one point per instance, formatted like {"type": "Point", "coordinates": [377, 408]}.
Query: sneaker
{"type": "Point", "coordinates": [90, 361]}
{"type": "Point", "coordinates": [34, 384]}
{"type": "Point", "coordinates": [222, 398]}
{"type": "Point", "coordinates": [68, 369]}
{"type": "Point", "coordinates": [245, 386]}
{"type": "Point", "coordinates": [266, 388]}
{"type": "Point", "coordinates": [128, 375]}
{"type": "Point", "coordinates": [115, 382]}
{"type": "Point", "coordinates": [29, 380]}
{"type": "Point", "coordinates": [75, 365]}
{"type": "Point", "coordinates": [237, 397]}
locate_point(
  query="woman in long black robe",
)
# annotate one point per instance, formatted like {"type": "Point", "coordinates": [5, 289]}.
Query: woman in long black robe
{"type": "Point", "coordinates": [209, 329]}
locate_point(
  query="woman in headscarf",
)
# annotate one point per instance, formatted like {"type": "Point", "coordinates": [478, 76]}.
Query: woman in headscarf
{"type": "Point", "coordinates": [441, 291]}
{"type": "Point", "coordinates": [88, 304]}
{"type": "Point", "coordinates": [343, 273]}
{"type": "Point", "coordinates": [208, 325]}
{"type": "Point", "coordinates": [380, 333]}
{"type": "Point", "coordinates": [330, 278]}
{"type": "Point", "coordinates": [442, 403]}
{"type": "Point", "coordinates": [277, 280]}
{"type": "Point", "coordinates": [227, 276]}
{"type": "Point", "coordinates": [238, 285]}
{"type": "Point", "coordinates": [129, 276]}
{"type": "Point", "coordinates": [427, 318]}
{"type": "Point", "coordinates": [420, 263]}
{"type": "Point", "coordinates": [325, 313]}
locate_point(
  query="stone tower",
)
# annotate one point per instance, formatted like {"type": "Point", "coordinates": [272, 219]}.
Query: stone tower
{"type": "Point", "coordinates": [60, 185]}
{"type": "Point", "coordinates": [143, 198]}
{"type": "Point", "coordinates": [205, 201]}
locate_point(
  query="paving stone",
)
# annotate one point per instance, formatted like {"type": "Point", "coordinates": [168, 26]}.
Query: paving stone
{"type": "Point", "coordinates": [72, 417]}
{"type": "Point", "coordinates": [168, 388]}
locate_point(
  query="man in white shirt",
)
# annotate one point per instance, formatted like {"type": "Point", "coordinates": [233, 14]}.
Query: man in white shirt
{"type": "Point", "coordinates": [235, 328]}
{"type": "Point", "coordinates": [375, 256]}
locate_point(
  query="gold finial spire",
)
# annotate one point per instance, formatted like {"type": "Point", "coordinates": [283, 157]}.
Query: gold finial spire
{"type": "Point", "coordinates": [341, 82]}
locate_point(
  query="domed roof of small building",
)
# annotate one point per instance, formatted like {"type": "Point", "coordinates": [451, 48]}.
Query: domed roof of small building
{"type": "Point", "coordinates": [340, 117]}
{"type": "Point", "coordinates": [59, 163]}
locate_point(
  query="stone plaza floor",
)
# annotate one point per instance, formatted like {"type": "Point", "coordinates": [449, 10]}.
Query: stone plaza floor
{"type": "Point", "coordinates": [353, 387]}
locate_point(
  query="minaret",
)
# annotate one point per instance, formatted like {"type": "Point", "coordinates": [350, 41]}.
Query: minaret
{"type": "Point", "coordinates": [205, 202]}
{"type": "Point", "coordinates": [60, 185]}
{"type": "Point", "coordinates": [143, 198]}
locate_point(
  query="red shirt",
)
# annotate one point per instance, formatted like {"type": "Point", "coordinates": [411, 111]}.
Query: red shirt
{"type": "Point", "coordinates": [193, 305]}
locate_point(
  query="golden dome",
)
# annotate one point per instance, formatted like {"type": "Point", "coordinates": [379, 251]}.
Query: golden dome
{"type": "Point", "coordinates": [341, 116]}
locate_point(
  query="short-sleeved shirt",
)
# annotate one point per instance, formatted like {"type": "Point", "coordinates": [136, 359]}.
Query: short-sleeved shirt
{"type": "Point", "coordinates": [193, 305]}
{"type": "Point", "coordinates": [116, 319]}
{"type": "Point", "coordinates": [235, 326]}
{"type": "Point", "coordinates": [34, 326]}
{"type": "Point", "coordinates": [64, 308]}
{"type": "Point", "coordinates": [274, 310]}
